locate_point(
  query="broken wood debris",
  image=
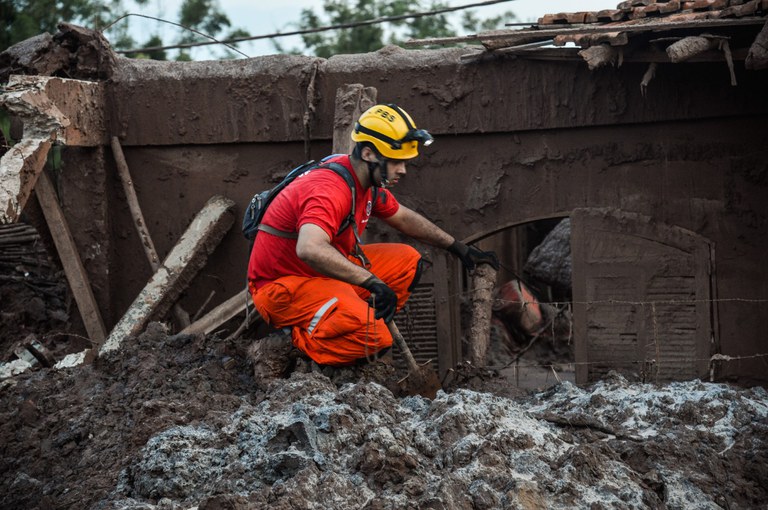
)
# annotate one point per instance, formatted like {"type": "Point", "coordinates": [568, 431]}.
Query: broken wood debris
{"type": "Point", "coordinates": [608, 28]}
{"type": "Point", "coordinates": [690, 46]}
{"type": "Point", "coordinates": [70, 259]}
{"type": "Point", "coordinates": [516, 36]}
{"type": "Point", "coordinates": [483, 283]}
{"type": "Point", "coordinates": [45, 108]}
{"type": "Point", "coordinates": [757, 58]}
{"type": "Point", "coordinates": [220, 314]}
{"type": "Point", "coordinates": [183, 262]}
{"type": "Point", "coordinates": [29, 353]}
{"type": "Point", "coordinates": [181, 316]}
{"type": "Point", "coordinates": [599, 56]}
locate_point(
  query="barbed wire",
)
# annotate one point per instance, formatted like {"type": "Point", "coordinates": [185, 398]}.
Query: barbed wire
{"type": "Point", "coordinates": [651, 366]}
{"type": "Point", "coordinates": [338, 26]}
{"type": "Point", "coordinates": [713, 358]}
{"type": "Point", "coordinates": [623, 302]}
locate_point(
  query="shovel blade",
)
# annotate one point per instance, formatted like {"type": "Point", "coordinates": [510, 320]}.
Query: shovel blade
{"type": "Point", "coordinates": [421, 379]}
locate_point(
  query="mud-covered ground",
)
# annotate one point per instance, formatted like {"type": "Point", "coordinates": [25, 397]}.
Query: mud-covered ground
{"type": "Point", "coordinates": [180, 422]}
{"type": "Point", "coordinates": [174, 422]}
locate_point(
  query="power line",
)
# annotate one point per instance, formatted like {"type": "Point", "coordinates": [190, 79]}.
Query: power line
{"type": "Point", "coordinates": [375, 21]}
{"type": "Point", "coordinates": [215, 41]}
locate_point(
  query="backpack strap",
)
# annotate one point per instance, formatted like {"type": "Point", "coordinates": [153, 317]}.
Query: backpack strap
{"type": "Point", "coordinates": [277, 232]}
{"type": "Point", "coordinates": [347, 176]}
{"type": "Point", "coordinates": [349, 220]}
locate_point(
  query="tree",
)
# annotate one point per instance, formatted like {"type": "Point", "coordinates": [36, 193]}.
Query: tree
{"type": "Point", "coordinates": [23, 19]}
{"type": "Point", "coordinates": [207, 17]}
{"type": "Point", "coordinates": [367, 38]}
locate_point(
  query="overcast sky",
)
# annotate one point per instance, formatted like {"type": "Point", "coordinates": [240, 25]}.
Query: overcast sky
{"type": "Point", "coordinates": [266, 17]}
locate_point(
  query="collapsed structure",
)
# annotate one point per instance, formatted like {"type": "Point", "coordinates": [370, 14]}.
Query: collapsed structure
{"type": "Point", "coordinates": [660, 163]}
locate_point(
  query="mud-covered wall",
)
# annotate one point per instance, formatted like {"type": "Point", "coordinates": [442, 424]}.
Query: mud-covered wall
{"type": "Point", "coordinates": [516, 140]}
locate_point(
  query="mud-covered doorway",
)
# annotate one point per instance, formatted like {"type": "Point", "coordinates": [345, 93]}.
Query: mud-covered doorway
{"type": "Point", "coordinates": [531, 335]}
{"type": "Point", "coordinates": [642, 297]}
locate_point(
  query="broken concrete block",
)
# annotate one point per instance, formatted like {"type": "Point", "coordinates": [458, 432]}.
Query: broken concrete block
{"type": "Point", "coordinates": [186, 258]}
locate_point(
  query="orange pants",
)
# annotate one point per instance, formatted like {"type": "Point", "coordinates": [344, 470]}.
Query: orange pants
{"type": "Point", "coordinates": [331, 321]}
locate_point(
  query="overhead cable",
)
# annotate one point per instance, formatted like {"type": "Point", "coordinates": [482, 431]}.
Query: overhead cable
{"type": "Point", "coordinates": [385, 19]}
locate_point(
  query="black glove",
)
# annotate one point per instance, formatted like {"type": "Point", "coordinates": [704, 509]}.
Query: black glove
{"type": "Point", "coordinates": [471, 257]}
{"type": "Point", "coordinates": [384, 299]}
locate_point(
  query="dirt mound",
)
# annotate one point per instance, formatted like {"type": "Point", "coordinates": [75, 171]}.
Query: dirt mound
{"type": "Point", "coordinates": [178, 422]}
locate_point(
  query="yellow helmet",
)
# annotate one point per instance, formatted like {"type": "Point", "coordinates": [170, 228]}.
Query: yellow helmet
{"type": "Point", "coordinates": [391, 131]}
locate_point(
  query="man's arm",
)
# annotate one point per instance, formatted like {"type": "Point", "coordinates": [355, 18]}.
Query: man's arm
{"type": "Point", "coordinates": [314, 248]}
{"type": "Point", "coordinates": [414, 225]}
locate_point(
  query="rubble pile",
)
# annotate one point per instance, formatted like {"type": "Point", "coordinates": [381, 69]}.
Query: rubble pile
{"type": "Point", "coordinates": [178, 422]}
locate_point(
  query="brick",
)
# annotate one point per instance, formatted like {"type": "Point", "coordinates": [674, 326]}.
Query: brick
{"type": "Point", "coordinates": [708, 5]}
{"type": "Point", "coordinates": [591, 17]}
{"type": "Point", "coordinates": [547, 19]}
{"type": "Point", "coordinates": [672, 6]}
{"type": "Point", "coordinates": [737, 11]}
{"type": "Point", "coordinates": [610, 15]}
{"type": "Point", "coordinates": [576, 17]}
{"type": "Point", "coordinates": [651, 10]}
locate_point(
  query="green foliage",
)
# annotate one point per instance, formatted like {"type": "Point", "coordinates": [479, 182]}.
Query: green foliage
{"type": "Point", "coordinates": [472, 24]}
{"type": "Point", "coordinates": [152, 42]}
{"type": "Point", "coordinates": [367, 38]}
{"type": "Point", "coordinates": [353, 40]}
{"type": "Point", "coordinates": [22, 19]}
{"type": "Point", "coordinates": [205, 16]}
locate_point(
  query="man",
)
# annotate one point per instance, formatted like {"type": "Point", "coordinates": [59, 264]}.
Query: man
{"type": "Point", "coordinates": [307, 274]}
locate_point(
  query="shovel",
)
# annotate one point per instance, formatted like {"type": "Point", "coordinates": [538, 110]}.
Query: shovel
{"type": "Point", "coordinates": [421, 379]}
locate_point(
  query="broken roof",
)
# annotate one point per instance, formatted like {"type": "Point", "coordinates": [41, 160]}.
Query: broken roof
{"type": "Point", "coordinates": [642, 29]}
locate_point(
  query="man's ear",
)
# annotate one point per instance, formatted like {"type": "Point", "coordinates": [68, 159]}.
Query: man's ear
{"type": "Point", "coordinates": [368, 155]}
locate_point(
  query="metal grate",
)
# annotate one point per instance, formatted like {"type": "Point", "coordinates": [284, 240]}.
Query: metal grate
{"type": "Point", "coordinates": [417, 322]}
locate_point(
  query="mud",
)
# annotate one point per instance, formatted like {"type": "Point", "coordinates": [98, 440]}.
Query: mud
{"type": "Point", "coordinates": [172, 422]}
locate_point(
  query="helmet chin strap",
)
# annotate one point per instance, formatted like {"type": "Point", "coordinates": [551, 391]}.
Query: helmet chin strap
{"type": "Point", "coordinates": [382, 181]}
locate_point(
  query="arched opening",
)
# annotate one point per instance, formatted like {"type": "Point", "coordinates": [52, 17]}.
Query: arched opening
{"type": "Point", "coordinates": [531, 336]}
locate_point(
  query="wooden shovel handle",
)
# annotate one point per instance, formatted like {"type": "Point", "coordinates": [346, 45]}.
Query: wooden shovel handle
{"type": "Point", "coordinates": [400, 341]}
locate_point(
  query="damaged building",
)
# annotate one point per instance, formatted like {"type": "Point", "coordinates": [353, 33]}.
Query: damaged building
{"type": "Point", "coordinates": [644, 127]}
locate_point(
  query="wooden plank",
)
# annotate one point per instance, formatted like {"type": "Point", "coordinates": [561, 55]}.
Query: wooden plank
{"type": "Point", "coordinates": [186, 258]}
{"type": "Point", "coordinates": [133, 205]}
{"type": "Point", "coordinates": [70, 259]}
{"type": "Point", "coordinates": [182, 317]}
{"type": "Point", "coordinates": [351, 101]}
{"type": "Point", "coordinates": [483, 283]}
{"type": "Point", "coordinates": [219, 315]}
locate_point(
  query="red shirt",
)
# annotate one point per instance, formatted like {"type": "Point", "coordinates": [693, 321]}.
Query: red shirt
{"type": "Point", "coordinates": [322, 198]}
